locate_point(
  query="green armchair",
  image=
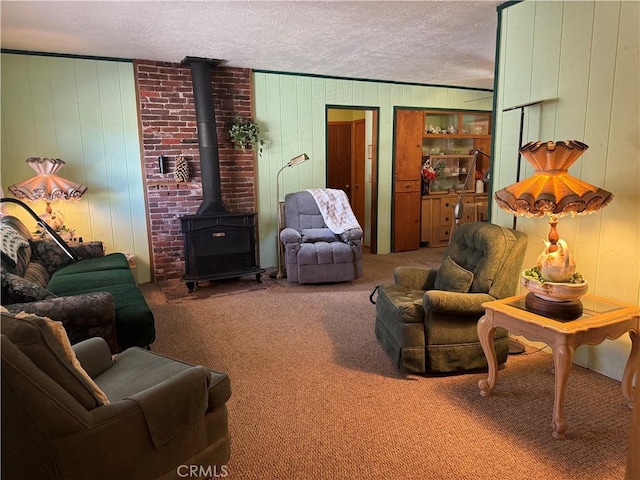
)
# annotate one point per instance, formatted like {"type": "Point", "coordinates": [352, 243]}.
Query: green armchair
{"type": "Point", "coordinates": [426, 319]}
{"type": "Point", "coordinates": [80, 413]}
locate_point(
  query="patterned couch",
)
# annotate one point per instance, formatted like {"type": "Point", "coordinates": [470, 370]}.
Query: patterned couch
{"type": "Point", "coordinates": [95, 296]}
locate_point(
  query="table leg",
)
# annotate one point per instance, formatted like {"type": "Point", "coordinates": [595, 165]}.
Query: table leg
{"type": "Point", "coordinates": [630, 370]}
{"type": "Point", "coordinates": [485, 334]}
{"type": "Point", "coordinates": [562, 361]}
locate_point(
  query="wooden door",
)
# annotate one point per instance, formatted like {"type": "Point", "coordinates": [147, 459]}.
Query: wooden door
{"type": "Point", "coordinates": [406, 180]}
{"type": "Point", "coordinates": [358, 180]}
{"type": "Point", "coordinates": [374, 183]}
{"type": "Point", "coordinates": [408, 145]}
{"type": "Point", "coordinates": [406, 216]}
{"type": "Point", "coordinates": [339, 156]}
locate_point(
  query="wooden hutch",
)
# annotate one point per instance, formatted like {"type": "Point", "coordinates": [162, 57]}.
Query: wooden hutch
{"type": "Point", "coordinates": [424, 215]}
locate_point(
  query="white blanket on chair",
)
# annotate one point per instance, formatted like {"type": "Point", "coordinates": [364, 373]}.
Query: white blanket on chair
{"type": "Point", "coordinates": [335, 209]}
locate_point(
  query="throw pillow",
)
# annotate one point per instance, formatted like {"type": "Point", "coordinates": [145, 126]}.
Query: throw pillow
{"type": "Point", "coordinates": [21, 290]}
{"type": "Point", "coordinates": [453, 278]}
{"type": "Point", "coordinates": [312, 235]}
{"type": "Point", "coordinates": [46, 344]}
{"type": "Point", "coordinates": [11, 242]}
{"type": "Point", "coordinates": [58, 331]}
{"type": "Point", "coordinates": [47, 252]}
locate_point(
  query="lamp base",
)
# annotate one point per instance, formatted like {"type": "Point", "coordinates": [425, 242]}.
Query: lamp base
{"type": "Point", "coordinates": [569, 310]}
{"type": "Point", "coordinates": [278, 275]}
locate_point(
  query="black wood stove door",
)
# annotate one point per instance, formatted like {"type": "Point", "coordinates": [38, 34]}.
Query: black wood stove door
{"type": "Point", "coordinates": [219, 246]}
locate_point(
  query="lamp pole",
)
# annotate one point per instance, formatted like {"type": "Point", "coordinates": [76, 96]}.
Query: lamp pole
{"type": "Point", "coordinates": [303, 157]}
{"type": "Point", "coordinates": [458, 210]}
{"type": "Point", "coordinates": [522, 106]}
{"type": "Point", "coordinates": [280, 275]}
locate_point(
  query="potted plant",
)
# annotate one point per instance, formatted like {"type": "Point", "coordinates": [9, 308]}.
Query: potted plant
{"type": "Point", "coordinates": [431, 174]}
{"type": "Point", "coordinates": [244, 133]}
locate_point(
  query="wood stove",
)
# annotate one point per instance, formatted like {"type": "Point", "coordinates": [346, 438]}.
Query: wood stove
{"type": "Point", "coordinates": [217, 244]}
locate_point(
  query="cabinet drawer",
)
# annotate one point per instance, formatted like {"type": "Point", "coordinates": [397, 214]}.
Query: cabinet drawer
{"type": "Point", "coordinates": [404, 186]}
{"type": "Point", "coordinates": [426, 215]}
{"type": "Point", "coordinates": [446, 211]}
{"type": "Point", "coordinates": [444, 234]}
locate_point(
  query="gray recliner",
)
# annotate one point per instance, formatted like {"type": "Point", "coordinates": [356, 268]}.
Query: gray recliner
{"type": "Point", "coordinates": [159, 414]}
{"type": "Point", "coordinates": [426, 319]}
{"type": "Point", "coordinates": [312, 252]}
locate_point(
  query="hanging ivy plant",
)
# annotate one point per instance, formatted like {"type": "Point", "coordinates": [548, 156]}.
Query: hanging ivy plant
{"type": "Point", "coordinates": [244, 134]}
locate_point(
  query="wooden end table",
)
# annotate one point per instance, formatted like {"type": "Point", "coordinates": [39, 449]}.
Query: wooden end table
{"type": "Point", "coordinates": [601, 319]}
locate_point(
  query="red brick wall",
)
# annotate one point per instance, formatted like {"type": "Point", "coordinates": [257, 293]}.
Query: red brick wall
{"type": "Point", "coordinates": [168, 127]}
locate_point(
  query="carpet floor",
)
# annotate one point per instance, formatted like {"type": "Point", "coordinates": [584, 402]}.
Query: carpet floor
{"type": "Point", "coordinates": [316, 397]}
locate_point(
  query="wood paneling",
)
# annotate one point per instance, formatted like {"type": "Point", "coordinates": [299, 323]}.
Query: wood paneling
{"type": "Point", "coordinates": [585, 54]}
{"type": "Point", "coordinates": [294, 127]}
{"type": "Point", "coordinates": [84, 112]}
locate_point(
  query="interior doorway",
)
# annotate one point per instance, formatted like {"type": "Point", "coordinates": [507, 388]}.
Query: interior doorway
{"type": "Point", "coordinates": [352, 161]}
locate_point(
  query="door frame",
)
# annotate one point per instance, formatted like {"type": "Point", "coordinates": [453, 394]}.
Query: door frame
{"type": "Point", "coordinates": [372, 218]}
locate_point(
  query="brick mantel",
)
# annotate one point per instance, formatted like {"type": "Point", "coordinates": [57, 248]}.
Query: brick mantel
{"type": "Point", "coordinates": [168, 127]}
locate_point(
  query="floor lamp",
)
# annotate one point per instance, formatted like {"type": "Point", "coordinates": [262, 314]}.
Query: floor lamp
{"type": "Point", "coordinates": [291, 163]}
{"type": "Point", "coordinates": [515, 347]}
{"type": "Point", "coordinates": [458, 210]}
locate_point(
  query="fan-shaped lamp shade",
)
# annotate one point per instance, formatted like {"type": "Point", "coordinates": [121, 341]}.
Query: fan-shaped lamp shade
{"type": "Point", "coordinates": [46, 185]}
{"type": "Point", "coordinates": [551, 190]}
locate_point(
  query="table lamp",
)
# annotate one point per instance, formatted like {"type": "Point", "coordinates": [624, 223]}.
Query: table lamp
{"type": "Point", "coordinates": [46, 185]}
{"type": "Point", "coordinates": [555, 286]}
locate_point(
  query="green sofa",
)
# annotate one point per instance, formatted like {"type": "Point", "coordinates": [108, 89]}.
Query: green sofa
{"type": "Point", "coordinates": [95, 296]}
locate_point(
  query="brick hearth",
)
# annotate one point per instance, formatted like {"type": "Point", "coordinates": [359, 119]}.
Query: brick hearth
{"type": "Point", "coordinates": [168, 127]}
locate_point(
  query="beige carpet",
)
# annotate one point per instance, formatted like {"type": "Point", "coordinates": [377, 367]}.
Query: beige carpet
{"type": "Point", "coordinates": [315, 397]}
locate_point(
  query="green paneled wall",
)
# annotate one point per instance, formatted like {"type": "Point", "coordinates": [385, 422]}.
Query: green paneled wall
{"type": "Point", "coordinates": [584, 55]}
{"type": "Point", "coordinates": [291, 111]}
{"type": "Point", "coordinates": [84, 112]}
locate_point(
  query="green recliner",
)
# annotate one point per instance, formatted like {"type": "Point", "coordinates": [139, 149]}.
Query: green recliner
{"type": "Point", "coordinates": [72, 413]}
{"type": "Point", "coordinates": [426, 319]}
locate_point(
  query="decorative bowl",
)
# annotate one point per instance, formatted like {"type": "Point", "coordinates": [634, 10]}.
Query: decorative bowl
{"type": "Point", "coordinates": [554, 292]}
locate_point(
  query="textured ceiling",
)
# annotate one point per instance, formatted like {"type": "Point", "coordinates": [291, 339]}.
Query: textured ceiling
{"type": "Point", "coordinates": [427, 42]}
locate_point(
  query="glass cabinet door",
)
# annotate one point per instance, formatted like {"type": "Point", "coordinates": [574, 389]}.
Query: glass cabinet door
{"type": "Point", "coordinates": [476, 124]}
